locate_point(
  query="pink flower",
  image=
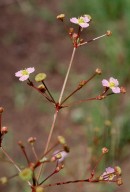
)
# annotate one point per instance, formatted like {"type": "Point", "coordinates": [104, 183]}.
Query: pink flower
{"type": "Point", "coordinates": [109, 174]}
{"type": "Point", "coordinates": [24, 74]}
{"type": "Point", "coordinates": [61, 154]}
{"type": "Point", "coordinates": [112, 84]}
{"type": "Point", "coordinates": [82, 21]}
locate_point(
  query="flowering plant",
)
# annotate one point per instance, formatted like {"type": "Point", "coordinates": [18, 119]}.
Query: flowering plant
{"type": "Point", "coordinates": [32, 172]}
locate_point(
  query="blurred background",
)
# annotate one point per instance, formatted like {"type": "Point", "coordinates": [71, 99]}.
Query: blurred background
{"type": "Point", "coordinates": [30, 36]}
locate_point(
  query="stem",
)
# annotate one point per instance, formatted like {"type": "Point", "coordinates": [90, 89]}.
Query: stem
{"type": "Point", "coordinates": [48, 92]}
{"type": "Point", "coordinates": [11, 160]}
{"type": "Point", "coordinates": [77, 89]}
{"type": "Point", "coordinates": [81, 101]}
{"type": "Point", "coordinates": [43, 94]}
{"type": "Point", "coordinates": [92, 40]}
{"type": "Point", "coordinates": [54, 172]}
{"type": "Point", "coordinates": [57, 110]}
{"type": "Point", "coordinates": [67, 74]}
{"type": "Point", "coordinates": [48, 140]}
{"type": "Point", "coordinates": [67, 182]}
{"type": "Point", "coordinates": [34, 152]}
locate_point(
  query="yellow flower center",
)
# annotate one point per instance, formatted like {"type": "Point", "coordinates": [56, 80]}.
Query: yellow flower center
{"type": "Point", "coordinates": [25, 72]}
{"type": "Point", "coordinates": [80, 20]}
{"type": "Point", "coordinates": [112, 84]}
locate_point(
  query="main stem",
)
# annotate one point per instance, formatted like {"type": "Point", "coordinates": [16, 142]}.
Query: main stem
{"type": "Point", "coordinates": [56, 112]}
{"type": "Point", "coordinates": [67, 74]}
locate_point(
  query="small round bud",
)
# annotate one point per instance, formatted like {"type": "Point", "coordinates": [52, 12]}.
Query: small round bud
{"type": "Point", "coordinates": [71, 30]}
{"type": "Point", "coordinates": [118, 170]}
{"type": "Point", "coordinates": [108, 123]}
{"type": "Point", "coordinates": [3, 180]}
{"type": "Point", "coordinates": [61, 140]}
{"type": "Point", "coordinates": [39, 189]}
{"type": "Point", "coordinates": [31, 140]}
{"type": "Point", "coordinates": [98, 71]}
{"type": "Point", "coordinates": [119, 181]}
{"type": "Point", "coordinates": [1, 109]}
{"type": "Point", "coordinates": [108, 33]}
{"type": "Point", "coordinates": [21, 144]}
{"type": "Point", "coordinates": [40, 77]}
{"type": "Point", "coordinates": [61, 17]}
{"type": "Point", "coordinates": [42, 88]}
{"type": "Point", "coordinates": [4, 130]}
{"type": "Point", "coordinates": [100, 97]}
{"type": "Point", "coordinates": [26, 174]}
{"type": "Point", "coordinates": [123, 90]}
{"type": "Point", "coordinates": [104, 150]}
{"type": "Point", "coordinates": [82, 83]}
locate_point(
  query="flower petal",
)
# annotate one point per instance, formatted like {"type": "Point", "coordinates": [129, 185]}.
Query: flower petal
{"type": "Point", "coordinates": [116, 90]}
{"type": "Point", "coordinates": [30, 69]}
{"type": "Point", "coordinates": [24, 77]}
{"type": "Point", "coordinates": [74, 20]}
{"type": "Point", "coordinates": [18, 74]}
{"type": "Point", "coordinates": [115, 81]}
{"type": "Point", "coordinates": [84, 25]}
{"type": "Point", "coordinates": [105, 83]}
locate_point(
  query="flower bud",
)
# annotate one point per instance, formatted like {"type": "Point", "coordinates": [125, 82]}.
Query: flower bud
{"type": "Point", "coordinates": [98, 71]}
{"type": "Point", "coordinates": [118, 170]}
{"type": "Point", "coordinates": [3, 180]}
{"type": "Point", "coordinates": [107, 123]}
{"type": "Point", "coordinates": [1, 109]}
{"type": "Point", "coordinates": [123, 90]}
{"type": "Point", "coordinates": [82, 83]}
{"type": "Point", "coordinates": [104, 150]}
{"type": "Point", "coordinates": [108, 33]}
{"type": "Point", "coordinates": [26, 174]}
{"type": "Point", "coordinates": [61, 17]}
{"type": "Point", "coordinates": [4, 130]}
{"type": "Point", "coordinates": [42, 88]}
{"type": "Point", "coordinates": [39, 189]}
{"type": "Point", "coordinates": [21, 144]}
{"type": "Point", "coordinates": [31, 140]}
{"type": "Point", "coordinates": [61, 140]}
{"type": "Point", "coordinates": [119, 181]}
